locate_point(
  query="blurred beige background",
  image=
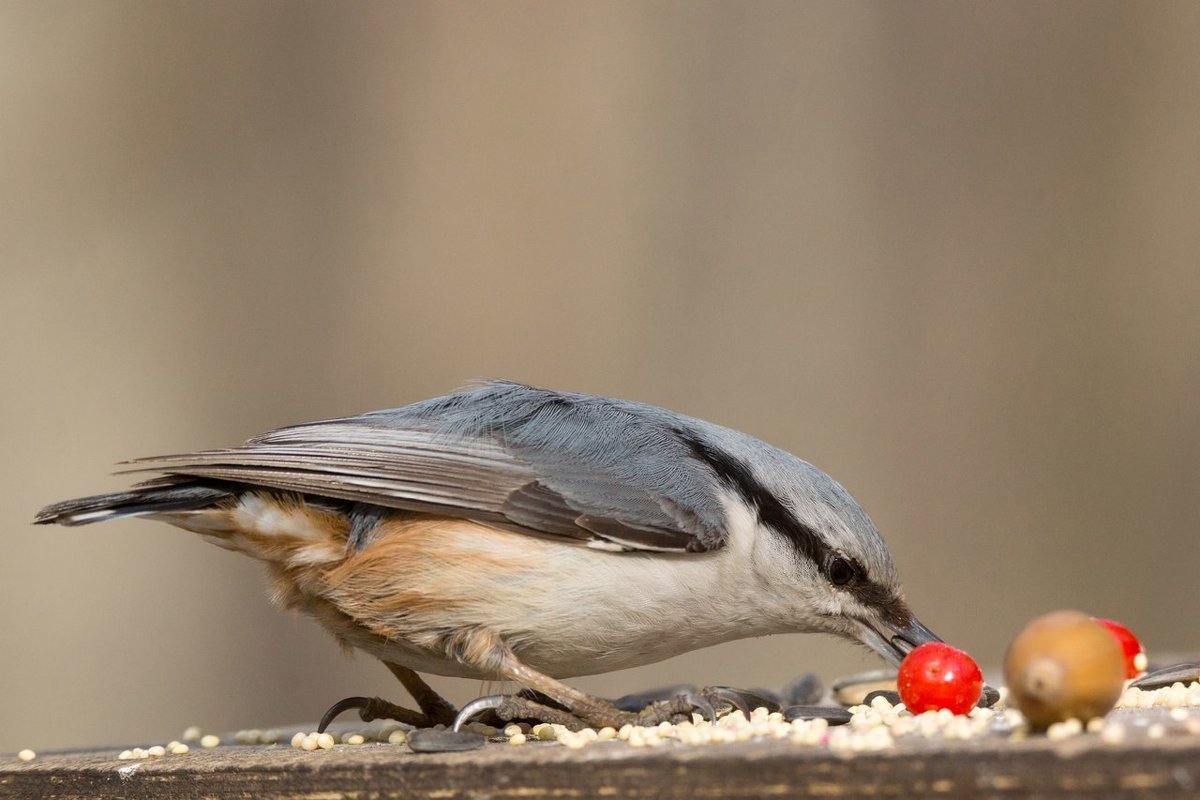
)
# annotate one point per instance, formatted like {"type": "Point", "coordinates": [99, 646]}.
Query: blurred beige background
{"type": "Point", "coordinates": [946, 251]}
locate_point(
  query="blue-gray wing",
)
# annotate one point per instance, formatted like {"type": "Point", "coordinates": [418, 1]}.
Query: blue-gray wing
{"type": "Point", "coordinates": [609, 473]}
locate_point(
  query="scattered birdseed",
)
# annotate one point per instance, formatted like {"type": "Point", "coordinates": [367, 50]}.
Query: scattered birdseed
{"type": "Point", "coordinates": [397, 737]}
{"type": "Point", "coordinates": [191, 733]}
{"type": "Point", "coordinates": [179, 748]}
{"type": "Point", "coordinates": [210, 740]}
{"type": "Point", "coordinates": [1065, 729]}
{"type": "Point", "coordinates": [298, 739]}
{"type": "Point", "coordinates": [325, 741]}
{"type": "Point", "coordinates": [27, 755]}
{"type": "Point", "coordinates": [516, 738]}
{"type": "Point", "coordinates": [354, 738]}
{"type": "Point", "coordinates": [157, 751]}
{"type": "Point", "coordinates": [1173, 695]}
{"type": "Point", "coordinates": [1113, 734]}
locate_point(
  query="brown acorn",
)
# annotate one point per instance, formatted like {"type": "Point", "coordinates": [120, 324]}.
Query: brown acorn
{"type": "Point", "coordinates": [1064, 665]}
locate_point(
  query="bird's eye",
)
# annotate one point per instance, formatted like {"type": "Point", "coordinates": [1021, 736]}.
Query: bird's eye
{"type": "Point", "coordinates": [840, 571]}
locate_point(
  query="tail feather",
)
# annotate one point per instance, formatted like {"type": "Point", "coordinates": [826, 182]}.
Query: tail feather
{"type": "Point", "coordinates": [135, 503]}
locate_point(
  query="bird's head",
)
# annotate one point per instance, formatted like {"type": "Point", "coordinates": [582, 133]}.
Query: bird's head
{"type": "Point", "coordinates": [817, 555]}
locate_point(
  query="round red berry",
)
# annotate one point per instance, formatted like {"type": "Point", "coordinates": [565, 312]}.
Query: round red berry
{"type": "Point", "coordinates": [1135, 655]}
{"type": "Point", "coordinates": [936, 676]}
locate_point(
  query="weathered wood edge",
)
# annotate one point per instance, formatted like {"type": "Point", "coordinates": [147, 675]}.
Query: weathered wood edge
{"type": "Point", "coordinates": [1036, 768]}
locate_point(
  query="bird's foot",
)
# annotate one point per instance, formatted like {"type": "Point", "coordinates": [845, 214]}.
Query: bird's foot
{"type": "Point", "coordinates": [598, 713]}
{"type": "Point", "coordinates": [373, 708]}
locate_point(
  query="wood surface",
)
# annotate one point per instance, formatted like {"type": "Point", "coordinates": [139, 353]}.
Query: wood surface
{"type": "Point", "coordinates": [1037, 767]}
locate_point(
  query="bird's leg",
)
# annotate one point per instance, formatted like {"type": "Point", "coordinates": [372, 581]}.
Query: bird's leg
{"type": "Point", "coordinates": [435, 709]}
{"type": "Point", "coordinates": [485, 650]}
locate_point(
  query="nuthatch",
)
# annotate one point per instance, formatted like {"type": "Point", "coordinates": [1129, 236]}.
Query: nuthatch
{"type": "Point", "coordinates": [510, 532]}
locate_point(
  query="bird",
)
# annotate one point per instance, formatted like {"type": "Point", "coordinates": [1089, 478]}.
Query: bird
{"type": "Point", "coordinates": [516, 533]}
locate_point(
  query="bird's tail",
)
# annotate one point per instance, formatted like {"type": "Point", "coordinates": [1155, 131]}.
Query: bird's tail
{"type": "Point", "coordinates": [139, 502]}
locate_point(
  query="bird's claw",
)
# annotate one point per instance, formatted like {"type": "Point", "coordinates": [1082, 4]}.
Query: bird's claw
{"type": "Point", "coordinates": [477, 706]}
{"type": "Point", "coordinates": [372, 708]}
{"type": "Point", "coordinates": [362, 704]}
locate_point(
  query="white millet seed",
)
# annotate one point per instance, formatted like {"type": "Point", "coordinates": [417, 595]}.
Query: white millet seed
{"type": "Point", "coordinates": [605, 734]}
{"type": "Point", "coordinates": [297, 739]}
{"type": "Point", "coordinates": [354, 738]}
{"type": "Point", "coordinates": [1064, 730]}
{"type": "Point", "coordinates": [309, 743]}
{"type": "Point", "coordinates": [512, 729]}
{"type": "Point", "coordinates": [27, 755]}
{"type": "Point", "coordinates": [397, 737]}
{"type": "Point", "coordinates": [125, 755]}
{"type": "Point", "coordinates": [179, 748]}
{"type": "Point", "coordinates": [1156, 731]}
{"type": "Point", "coordinates": [210, 740]}
{"type": "Point", "coordinates": [157, 751]}
{"type": "Point", "coordinates": [325, 741]}
{"type": "Point", "coordinates": [517, 738]}
{"type": "Point", "coordinates": [191, 733]}
{"type": "Point", "coordinates": [1113, 734]}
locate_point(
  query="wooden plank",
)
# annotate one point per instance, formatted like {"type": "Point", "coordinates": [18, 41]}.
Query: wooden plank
{"type": "Point", "coordinates": [1036, 768]}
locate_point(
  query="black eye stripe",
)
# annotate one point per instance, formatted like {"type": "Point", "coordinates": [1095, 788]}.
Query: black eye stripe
{"type": "Point", "coordinates": [773, 513]}
{"type": "Point", "coordinates": [771, 510]}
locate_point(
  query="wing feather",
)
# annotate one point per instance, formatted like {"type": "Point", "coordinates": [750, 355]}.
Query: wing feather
{"type": "Point", "coordinates": [526, 471]}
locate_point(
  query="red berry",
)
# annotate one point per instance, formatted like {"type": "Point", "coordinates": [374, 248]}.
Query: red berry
{"type": "Point", "coordinates": [936, 676]}
{"type": "Point", "coordinates": [1132, 648]}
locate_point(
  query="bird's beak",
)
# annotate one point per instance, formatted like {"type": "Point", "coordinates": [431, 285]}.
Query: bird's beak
{"type": "Point", "coordinates": [894, 640]}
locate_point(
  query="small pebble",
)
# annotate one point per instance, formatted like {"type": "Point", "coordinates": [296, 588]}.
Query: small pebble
{"type": "Point", "coordinates": [27, 755]}
{"type": "Point", "coordinates": [428, 740]}
{"type": "Point", "coordinates": [210, 740]}
{"type": "Point", "coordinates": [990, 697]}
